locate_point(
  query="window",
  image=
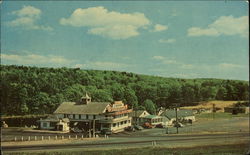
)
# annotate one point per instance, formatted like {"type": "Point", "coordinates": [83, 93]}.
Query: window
{"type": "Point", "coordinates": [114, 124]}
{"type": "Point", "coordinates": [87, 116]}
{"type": "Point", "coordinates": [65, 116]}
{"type": "Point", "coordinates": [105, 125]}
{"type": "Point", "coordinates": [93, 116]}
{"type": "Point", "coordinates": [80, 116]}
{"type": "Point", "coordinates": [45, 124]}
{"type": "Point", "coordinates": [52, 124]}
{"type": "Point", "coordinates": [74, 116]}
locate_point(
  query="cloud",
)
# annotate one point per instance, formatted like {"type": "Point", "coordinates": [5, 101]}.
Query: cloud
{"type": "Point", "coordinates": [34, 59]}
{"type": "Point", "coordinates": [159, 27]}
{"type": "Point", "coordinates": [27, 18]}
{"type": "Point", "coordinates": [196, 31]}
{"type": "Point", "coordinates": [59, 61]}
{"type": "Point", "coordinates": [28, 11]}
{"type": "Point", "coordinates": [168, 41]}
{"type": "Point", "coordinates": [229, 66]}
{"type": "Point", "coordinates": [185, 75]}
{"type": "Point", "coordinates": [165, 60]}
{"type": "Point", "coordinates": [79, 66]}
{"type": "Point", "coordinates": [103, 65]}
{"type": "Point", "coordinates": [115, 32]}
{"type": "Point", "coordinates": [224, 25]}
{"type": "Point", "coordinates": [174, 13]}
{"type": "Point", "coordinates": [187, 66]}
{"type": "Point", "coordinates": [111, 24]}
{"type": "Point", "coordinates": [158, 57]}
{"type": "Point", "coordinates": [106, 65]}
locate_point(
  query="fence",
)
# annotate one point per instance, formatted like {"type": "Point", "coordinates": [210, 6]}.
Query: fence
{"type": "Point", "coordinates": [49, 137]}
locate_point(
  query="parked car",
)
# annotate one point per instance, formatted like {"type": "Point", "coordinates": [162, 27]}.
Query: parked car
{"type": "Point", "coordinates": [130, 128]}
{"type": "Point", "coordinates": [76, 130]}
{"type": "Point", "coordinates": [179, 125]}
{"type": "Point", "coordinates": [159, 126]}
{"type": "Point", "coordinates": [147, 125]}
{"type": "Point", "coordinates": [106, 132]}
{"type": "Point", "coordinates": [138, 127]}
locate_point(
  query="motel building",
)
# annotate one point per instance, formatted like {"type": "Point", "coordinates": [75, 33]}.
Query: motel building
{"type": "Point", "coordinates": [90, 116]}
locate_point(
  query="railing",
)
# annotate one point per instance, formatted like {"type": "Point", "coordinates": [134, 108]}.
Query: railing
{"type": "Point", "coordinates": [106, 119]}
{"type": "Point", "coordinates": [48, 137]}
{"type": "Point", "coordinates": [113, 120]}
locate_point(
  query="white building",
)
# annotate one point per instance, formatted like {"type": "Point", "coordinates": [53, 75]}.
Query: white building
{"type": "Point", "coordinates": [95, 116]}
{"type": "Point", "coordinates": [182, 114]}
{"type": "Point", "coordinates": [142, 116]}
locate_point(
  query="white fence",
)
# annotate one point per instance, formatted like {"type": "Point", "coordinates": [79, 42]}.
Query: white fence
{"type": "Point", "coordinates": [50, 137]}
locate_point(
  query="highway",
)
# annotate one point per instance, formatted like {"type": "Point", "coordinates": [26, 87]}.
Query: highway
{"type": "Point", "coordinates": [118, 141]}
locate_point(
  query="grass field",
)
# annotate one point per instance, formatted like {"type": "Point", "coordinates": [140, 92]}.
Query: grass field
{"type": "Point", "coordinates": [218, 115]}
{"type": "Point", "coordinates": [209, 104]}
{"type": "Point", "coordinates": [235, 149]}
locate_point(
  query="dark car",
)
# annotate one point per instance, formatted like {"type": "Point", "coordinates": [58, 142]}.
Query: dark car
{"type": "Point", "coordinates": [76, 130]}
{"type": "Point", "coordinates": [106, 132]}
{"type": "Point", "coordinates": [147, 125]}
{"type": "Point", "coordinates": [159, 126]}
{"type": "Point", "coordinates": [130, 128]}
{"type": "Point", "coordinates": [138, 127]}
{"type": "Point", "coordinates": [179, 125]}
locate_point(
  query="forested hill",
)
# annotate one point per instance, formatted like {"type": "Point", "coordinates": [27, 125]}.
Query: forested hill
{"type": "Point", "coordinates": [33, 90]}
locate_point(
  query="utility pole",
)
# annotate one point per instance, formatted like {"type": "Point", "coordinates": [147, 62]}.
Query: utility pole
{"type": "Point", "coordinates": [213, 110]}
{"type": "Point", "coordinates": [94, 128]}
{"type": "Point", "coordinates": [89, 129]}
{"type": "Point", "coordinates": [176, 118]}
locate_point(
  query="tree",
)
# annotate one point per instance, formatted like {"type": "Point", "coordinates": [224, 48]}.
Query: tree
{"type": "Point", "coordinates": [175, 93]}
{"type": "Point", "coordinates": [117, 91]}
{"type": "Point", "coordinates": [149, 106]}
{"type": "Point", "coordinates": [24, 108]}
{"type": "Point", "coordinates": [101, 95]}
{"type": "Point", "coordinates": [221, 93]}
{"type": "Point", "coordinates": [130, 98]}
{"type": "Point", "coordinates": [188, 94]}
{"type": "Point", "coordinates": [33, 90]}
{"type": "Point", "coordinates": [162, 95]}
{"type": "Point", "coordinates": [208, 92]}
{"type": "Point", "coordinates": [74, 92]}
{"type": "Point", "coordinates": [41, 103]}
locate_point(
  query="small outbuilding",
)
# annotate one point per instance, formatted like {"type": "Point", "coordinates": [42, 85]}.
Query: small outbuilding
{"type": "Point", "coordinates": [142, 116]}
{"type": "Point", "coordinates": [54, 123]}
{"type": "Point", "coordinates": [182, 115]}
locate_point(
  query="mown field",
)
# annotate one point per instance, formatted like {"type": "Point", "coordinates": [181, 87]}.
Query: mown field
{"type": "Point", "coordinates": [218, 115]}
{"type": "Point", "coordinates": [209, 104]}
{"type": "Point", "coordinates": [235, 149]}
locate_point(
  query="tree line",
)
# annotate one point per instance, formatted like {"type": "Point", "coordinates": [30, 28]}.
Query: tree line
{"type": "Point", "coordinates": [34, 90]}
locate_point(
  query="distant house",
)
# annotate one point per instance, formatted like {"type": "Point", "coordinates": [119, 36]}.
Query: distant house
{"type": "Point", "coordinates": [153, 119]}
{"type": "Point", "coordinates": [54, 123]}
{"type": "Point", "coordinates": [142, 116]}
{"type": "Point", "coordinates": [182, 114]}
{"type": "Point", "coordinates": [94, 116]}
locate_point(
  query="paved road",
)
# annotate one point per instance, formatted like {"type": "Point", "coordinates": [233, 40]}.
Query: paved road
{"type": "Point", "coordinates": [131, 141]}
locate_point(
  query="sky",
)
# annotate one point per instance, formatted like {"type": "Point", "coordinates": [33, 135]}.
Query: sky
{"type": "Point", "coordinates": [183, 39]}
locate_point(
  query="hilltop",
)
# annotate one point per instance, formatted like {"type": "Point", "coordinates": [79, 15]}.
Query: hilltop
{"type": "Point", "coordinates": [34, 90]}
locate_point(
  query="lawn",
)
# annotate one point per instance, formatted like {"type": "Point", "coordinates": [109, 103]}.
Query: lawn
{"type": "Point", "coordinates": [234, 149]}
{"type": "Point", "coordinates": [219, 115]}
{"type": "Point", "coordinates": [209, 104]}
